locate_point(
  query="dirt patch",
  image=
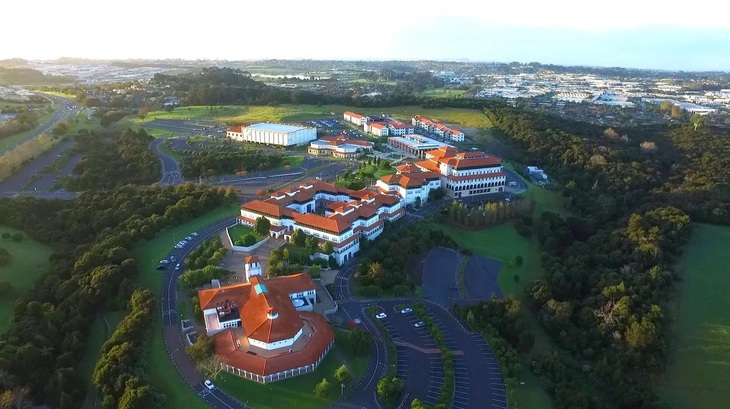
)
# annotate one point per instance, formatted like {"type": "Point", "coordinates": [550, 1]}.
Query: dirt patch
{"type": "Point", "coordinates": [415, 268]}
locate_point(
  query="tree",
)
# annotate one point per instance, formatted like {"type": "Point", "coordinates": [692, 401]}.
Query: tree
{"type": "Point", "coordinates": [6, 289]}
{"type": "Point", "coordinates": [360, 341]}
{"type": "Point", "coordinates": [389, 389]}
{"type": "Point", "coordinates": [18, 237]}
{"type": "Point", "coordinates": [417, 203]}
{"type": "Point", "coordinates": [260, 193]}
{"type": "Point", "coordinates": [312, 243]}
{"type": "Point", "coordinates": [202, 349]}
{"type": "Point", "coordinates": [333, 263]}
{"type": "Point", "coordinates": [298, 238]}
{"type": "Point", "coordinates": [249, 240]}
{"type": "Point", "coordinates": [518, 261]}
{"type": "Point", "coordinates": [142, 112]}
{"type": "Point", "coordinates": [676, 112]}
{"type": "Point", "coordinates": [262, 226]}
{"type": "Point", "coordinates": [323, 388]}
{"type": "Point", "coordinates": [211, 367]}
{"type": "Point", "coordinates": [5, 257]}
{"type": "Point", "coordinates": [91, 102]}
{"type": "Point", "coordinates": [342, 375]}
{"type": "Point", "coordinates": [327, 248]}
{"type": "Point", "coordinates": [315, 271]}
{"type": "Point", "coordinates": [417, 404]}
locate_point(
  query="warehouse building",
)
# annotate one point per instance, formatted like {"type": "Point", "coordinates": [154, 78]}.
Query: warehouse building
{"type": "Point", "coordinates": [273, 134]}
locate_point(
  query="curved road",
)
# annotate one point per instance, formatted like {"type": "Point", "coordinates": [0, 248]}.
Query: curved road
{"type": "Point", "coordinates": [171, 174]}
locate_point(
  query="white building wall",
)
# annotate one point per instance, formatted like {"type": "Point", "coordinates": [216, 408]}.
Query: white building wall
{"type": "Point", "coordinates": [275, 345]}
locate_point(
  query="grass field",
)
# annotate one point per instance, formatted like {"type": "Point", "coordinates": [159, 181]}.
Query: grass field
{"type": "Point", "coordinates": [238, 232]}
{"type": "Point", "coordinates": [298, 113]}
{"type": "Point", "coordinates": [443, 93]}
{"type": "Point", "coordinates": [357, 363]}
{"type": "Point", "coordinates": [699, 368]}
{"type": "Point", "coordinates": [97, 337]}
{"type": "Point", "coordinates": [162, 373]}
{"type": "Point", "coordinates": [382, 172]}
{"type": "Point", "coordinates": [295, 161]}
{"type": "Point", "coordinates": [503, 243]}
{"type": "Point", "coordinates": [296, 392]}
{"type": "Point", "coordinates": [29, 262]}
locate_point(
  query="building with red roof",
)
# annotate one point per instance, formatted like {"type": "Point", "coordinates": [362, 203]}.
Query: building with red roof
{"type": "Point", "coordinates": [354, 118]}
{"type": "Point", "coordinates": [388, 127]}
{"type": "Point", "coordinates": [339, 146]}
{"type": "Point", "coordinates": [264, 329]}
{"type": "Point", "coordinates": [437, 128]}
{"type": "Point", "coordinates": [329, 212]}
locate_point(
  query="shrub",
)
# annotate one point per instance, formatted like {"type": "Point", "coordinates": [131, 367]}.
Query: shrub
{"type": "Point", "coordinates": [249, 240]}
{"type": "Point", "coordinates": [323, 389]}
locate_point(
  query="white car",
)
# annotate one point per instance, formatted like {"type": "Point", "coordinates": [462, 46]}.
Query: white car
{"type": "Point", "coordinates": [208, 384]}
{"type": "Point", "coordinates": [381, 315]}
{"type": "Point", "coordinates": [419, 324]}
{"type": "Point", "coordinates": [188, 238]}
{"type": "Point", "coordinates": [194, 234]}
{"type": "Point", "coordinates": [406, 310]}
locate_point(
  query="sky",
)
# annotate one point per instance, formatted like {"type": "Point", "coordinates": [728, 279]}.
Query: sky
{"type": "Point", "coordinates": [657, 34]}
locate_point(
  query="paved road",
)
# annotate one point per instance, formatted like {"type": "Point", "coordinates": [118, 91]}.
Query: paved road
{"type": "Point", "coordinates": [65, 109]}
{"type": "Point", "coordinates": [171, 330]}
{"type": "Point", "coordinates": [171, 174]}
{"type": "Point", "coordinates": [20, 181]}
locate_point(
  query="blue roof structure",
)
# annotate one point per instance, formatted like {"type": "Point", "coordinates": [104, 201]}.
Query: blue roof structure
{"type": "Point", "coordinates": [260, 289]}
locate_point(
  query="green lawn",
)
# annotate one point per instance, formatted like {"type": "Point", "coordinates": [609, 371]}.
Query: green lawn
{"type": "Point", "coordinates": [298, 113]}
{"type": "Point", "coordinates": [358, 363]}
{"type": "Point", "coordinates": [382, 172]}
{"type": "Point", "coordinates": [297, 251]}
{"type": "Point", "coordinates": [443, 93]}
{"type": "Point", "coordinates": [97, 337]}
{"type": "Point", "coordinates": [292, 393]}
{"type": "Point", "coordinates": [699, 368]}
{"type": "Point", "coordinates": [162, 373]}
{"type": "Point", "coordinates": [29, 262]}
{"type": "Point", "coordinates": [240, 230]}
{"type": "Point", "coordinates": [295, 161]}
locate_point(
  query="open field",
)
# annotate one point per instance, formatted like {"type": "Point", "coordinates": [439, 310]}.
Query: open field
{"type": "Point", "coordinates": [382, 172]}
{"type": "Point", "coordinates": [443, 93]}
{"type": "Point", "coordinates": [298, 113]}
{"type": "Point", "coordinates": [700, 348]}
{"type": "Point", "coordinates": [296, 392]}
{"type": "Point", "coordinates": [59, 94]}
{"type": "Point", "coordinates": [97, 337]}
{"type": "Point", "coordinates": [29, 262]}
{"type": "Point", "coordinates": [162, 373]}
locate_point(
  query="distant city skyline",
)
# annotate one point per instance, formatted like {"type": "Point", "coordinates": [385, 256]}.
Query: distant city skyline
{"type": "Point", "coordinates": [624, 33]}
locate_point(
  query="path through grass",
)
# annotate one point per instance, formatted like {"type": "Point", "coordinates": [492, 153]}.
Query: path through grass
{"type": "Point", "coordinates": [699, 368]}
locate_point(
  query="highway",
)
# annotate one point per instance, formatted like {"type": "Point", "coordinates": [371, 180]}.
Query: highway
{"type": "Point", "coordinates": [171, 174]}
{"type": "Point", "coordinates": [65, 109]}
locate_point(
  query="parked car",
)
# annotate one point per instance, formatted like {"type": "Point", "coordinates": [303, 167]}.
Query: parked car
{"type": "Point", "coordinates": [188, 238]}
{"type": "Point", "coordinates": [173, 259]}
{"type": "Point", "coordinates": [406, 310]}
{"type": "Point", "coordinates": [381, 316]}
{"type": "Point", "coordinates": [194, 234]}
{"type": "Point", "coordinates": [419, 324]}
{"type": "Point", "coordinates": [208, 384]}
{"type": "Point", "coordinates": [177, 267]}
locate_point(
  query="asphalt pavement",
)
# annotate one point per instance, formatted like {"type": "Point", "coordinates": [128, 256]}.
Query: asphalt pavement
{"type": "Point", "coordinates": [173, 337]}
{"type": "Point", "coordinates": [171, 174]}
{"type": "Point", "coordinates": [64, 109]}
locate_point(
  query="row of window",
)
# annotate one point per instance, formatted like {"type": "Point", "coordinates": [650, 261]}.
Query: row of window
{"type": "Point", "coordinates": [475, 186]}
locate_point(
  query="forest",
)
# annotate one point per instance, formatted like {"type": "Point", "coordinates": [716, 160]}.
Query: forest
{"type": "Point", "coordinates": [609, 275]}
{"type": "Point", "coordinates": [227, 160]}
{"type": "Point", "coordinates": [113, 161]}
{"type": "Point", "coordinates": [93, 271]}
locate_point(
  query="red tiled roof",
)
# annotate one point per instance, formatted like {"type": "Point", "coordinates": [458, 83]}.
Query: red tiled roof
{"type": "Point", "coordinates": [251, 259]}
{"type": "Point", "coordinates": [291, 284]}
{"type": "Point", "coordinates": [236, 129]}
{"type": "Point", "coordinates": [267, 208]}
{"type": "Point", "coordinates": [404, 180]}
{"type": "Point", "coordinates": [428, 164]}
{"type": "Point", "coordinates": [472, 162]}
{"type": "Point", "coordinates": [353, 115]}
{"type": "Point", "coordinates": [225, 347]}
{"type": "Point", "coordinates": [376, 125]}
{"type": "Point", "coordinates": [331, 224]}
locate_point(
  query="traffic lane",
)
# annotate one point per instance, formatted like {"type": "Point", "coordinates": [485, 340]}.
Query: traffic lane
{"type": "Point", "coordinates": [16, 182]}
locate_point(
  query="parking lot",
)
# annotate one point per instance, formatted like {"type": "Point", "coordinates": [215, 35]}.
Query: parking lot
{"type": "Point", "coordinates": [185, 127]}
{"type": "Point", "coordinates": [439, 276]}
{"type": "Point", "coordinates": [419, 362]}
{"type": "Point", "coordinates": [480, 276]}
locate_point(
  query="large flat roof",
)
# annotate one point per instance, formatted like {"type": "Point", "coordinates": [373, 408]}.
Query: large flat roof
{"type": "Point", "coordinates": [419, 141]}
{"type": "Point", "coordinates": [277, 127]}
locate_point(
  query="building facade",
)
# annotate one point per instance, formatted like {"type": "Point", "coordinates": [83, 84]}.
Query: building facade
{"type": "Point", "coordinates": [414, 144]}
{"type": "Point", "coordinates": [460, 174]}
{"type": "Point", "coordinates": [339, 147]}
{"type": "Point", "coordinates": [438, 129]}
{"type": "Point", "coordinates": [354, 118]}
{"type": "Point", "coordinates": [273, 134]}
{"type": "Point", "coordinates": [264, 329]}
{"type": "Point", "coordinates": [329, 212]}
